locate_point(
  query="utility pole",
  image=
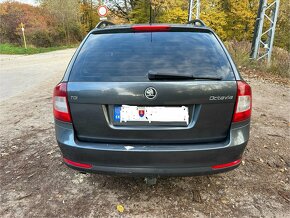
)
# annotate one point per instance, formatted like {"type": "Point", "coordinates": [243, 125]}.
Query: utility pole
{"type": "Point", "coordinates": [263, 40]}
{"type": "Point", "coordinates": [194, 5]}
{"type": "Point", "coordinates": [23, 34]}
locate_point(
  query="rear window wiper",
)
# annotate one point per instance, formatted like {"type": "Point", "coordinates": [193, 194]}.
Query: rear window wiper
{"type": "Point", "coordinates": [179, 76]}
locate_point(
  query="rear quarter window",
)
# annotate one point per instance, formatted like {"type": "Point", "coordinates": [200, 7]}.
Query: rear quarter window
{"type": "Point", "coordinates": [126, 57]}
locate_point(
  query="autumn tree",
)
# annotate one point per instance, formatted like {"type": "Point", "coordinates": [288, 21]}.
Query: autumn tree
{"type": "Point", "coordinates": [231, 19]}
{"type": "Point", "coordinates": [161, 11]}
{"type": "Point", "coordinates": [14, 13]}
{"type": "Point", "coordinates": [213, 15]}
{"type": "Point", "coordinates": [88, 15]}
{"type": "Point", "coordinates": [175, 12]}
{"type": "Point", "coordinates": [56, 22]}
{"type": "Point", "coordinates": [123, 8]}
{"type": "Point", "coordinates": [67, 14]}
{"type": "Point", "coordinates": [282, 37]}
{"type": "Point", "coordinates": [240, 17]}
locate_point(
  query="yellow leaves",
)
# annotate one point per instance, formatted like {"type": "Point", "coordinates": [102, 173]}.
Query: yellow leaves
{"type": "Point", "coordinates": [213, 16]}
{"type": "Point", "coordinates": [88, 16]}
{"type": "Point", "coordinates": [231, 19]}
{"type": "Point", "coordinates": [120, 208]}
{"type": "Point", "coordinates": [167, 11]}
{"type": "Point", "coordinates": [165, 4]}
{"type": "Point", "coordinates": [240, 19]}
{"type": "Point", "coordinates": [174, 16]}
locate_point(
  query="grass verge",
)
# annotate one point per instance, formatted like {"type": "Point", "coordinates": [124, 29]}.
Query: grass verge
{"type": "Point", "coordinates": [16, 50]}
{"type": "Point", "coordinates": [280, 63]}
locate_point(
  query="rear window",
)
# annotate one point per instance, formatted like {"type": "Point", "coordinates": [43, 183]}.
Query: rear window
{"type": "Point", "coordinates": [126, 57]}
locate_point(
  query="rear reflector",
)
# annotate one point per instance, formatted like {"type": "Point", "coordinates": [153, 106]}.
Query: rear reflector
{"type": "Point", "coordinates": [60, 103]}
{"type": "Point", "coordinates": [243, 107]}
{"type": "Point", "coordinates": [151, 28]}
{"type": "Point", "coordinates": [76, 164]}
{"type": "Point", "coordinates": [226, 165]}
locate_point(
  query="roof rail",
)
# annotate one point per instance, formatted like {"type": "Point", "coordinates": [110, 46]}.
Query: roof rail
{"type": "Point", "coordinates": [197, 22]}
{"type": "Point", "coordinates": [103, 24]}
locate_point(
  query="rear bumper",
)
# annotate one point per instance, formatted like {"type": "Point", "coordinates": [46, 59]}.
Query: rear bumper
{"type": "Point", "coordinates": [152, 160]}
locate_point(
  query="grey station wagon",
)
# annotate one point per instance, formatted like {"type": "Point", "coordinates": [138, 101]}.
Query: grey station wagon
{"type": "Point", "coordinates": [152, 100]}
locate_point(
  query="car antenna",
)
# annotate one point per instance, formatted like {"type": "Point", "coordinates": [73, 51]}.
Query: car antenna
{"type": "Point", "coordinates": [150, 21]}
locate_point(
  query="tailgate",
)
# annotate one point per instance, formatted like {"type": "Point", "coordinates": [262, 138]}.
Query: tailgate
{"type": "Point", "coordinates": [210, 108]}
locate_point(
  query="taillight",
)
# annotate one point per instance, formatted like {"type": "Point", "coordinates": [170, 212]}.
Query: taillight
{"type": "Point", "coordinates": [243, 107]}
{"type": "Point", "coordinates": [60, 104]}
{"type": "Point", "coordinates": [151, 28]}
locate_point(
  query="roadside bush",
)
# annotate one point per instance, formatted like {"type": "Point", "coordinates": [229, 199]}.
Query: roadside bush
{"type": "Point", "coordinates": [240, 51]}
{"type": "Point", "coordinates": [58, 36]}
{"type": "Point", "coordinates": [41, 39]}
{"type": "Point", "coordinates": [280, 62]}
{"type": "Point", "coordinates": [76, 34]}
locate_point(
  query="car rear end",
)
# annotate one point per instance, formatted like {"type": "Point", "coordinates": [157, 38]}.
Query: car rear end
{"type": "Point", "coordinates": [152, 100]}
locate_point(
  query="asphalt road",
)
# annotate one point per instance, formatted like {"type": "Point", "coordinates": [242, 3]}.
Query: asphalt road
{"type": "Point", "coordinates": [19, 73]}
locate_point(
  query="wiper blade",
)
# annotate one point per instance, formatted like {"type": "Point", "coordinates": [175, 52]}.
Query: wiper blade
{"type": "Point", "coordinates": [179, 76]}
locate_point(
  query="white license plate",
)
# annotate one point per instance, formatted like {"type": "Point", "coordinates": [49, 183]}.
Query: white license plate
{"type": "Point", "coordinates": [126, 113]}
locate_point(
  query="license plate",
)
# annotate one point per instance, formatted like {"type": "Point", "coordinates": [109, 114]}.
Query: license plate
{"type": "Point", "coordinates": [126, 113]}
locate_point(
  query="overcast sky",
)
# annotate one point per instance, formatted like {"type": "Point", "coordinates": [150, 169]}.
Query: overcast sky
{"type": "Point", "coordinates": [24, 1]}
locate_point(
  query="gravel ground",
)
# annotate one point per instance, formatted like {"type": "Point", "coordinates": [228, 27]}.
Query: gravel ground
{"type": "Point", "coordinates": [35, 183]}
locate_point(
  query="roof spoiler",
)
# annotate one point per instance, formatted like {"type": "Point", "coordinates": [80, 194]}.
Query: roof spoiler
{"type": "Point", "coordinates": [104, 24]}
{"type": "Point", "coordinates": [197, 22]}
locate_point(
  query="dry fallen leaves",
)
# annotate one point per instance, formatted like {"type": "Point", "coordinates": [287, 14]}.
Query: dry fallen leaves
{"type": "Point", "coordinates": [120, 208]}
